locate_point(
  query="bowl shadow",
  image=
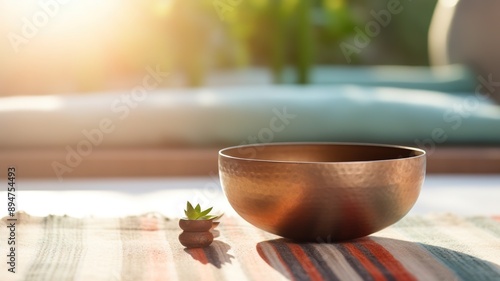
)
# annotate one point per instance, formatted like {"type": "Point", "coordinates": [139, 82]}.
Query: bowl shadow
{"type": "Point", "coordinates": [373, 258]}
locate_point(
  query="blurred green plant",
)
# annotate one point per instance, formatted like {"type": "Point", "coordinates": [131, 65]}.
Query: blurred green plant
{"type": "Point", "coordinates": [290, 33]}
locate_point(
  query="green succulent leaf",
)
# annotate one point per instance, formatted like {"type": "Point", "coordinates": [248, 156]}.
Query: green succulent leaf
{"type": "Point", "coordinates": [211, 217]}
{"type": "Point", "coordinates": [206, 212]}
{"type": "Point", "coordinates": [196, 213]}
{"type": "Point", "coordinates": [218, 217]}
{"type": "Point", "coordinates": [190, 211]}
{"type": "Point", "coordinates": [207, 218]}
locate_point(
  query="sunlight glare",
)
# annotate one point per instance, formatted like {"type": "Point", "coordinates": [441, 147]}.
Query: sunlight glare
{"type": "Point", "coordinates": [27, 103]}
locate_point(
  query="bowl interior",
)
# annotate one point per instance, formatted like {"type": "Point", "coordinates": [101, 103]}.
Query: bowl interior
{"type": "Point", "coordinates": [321, 152]}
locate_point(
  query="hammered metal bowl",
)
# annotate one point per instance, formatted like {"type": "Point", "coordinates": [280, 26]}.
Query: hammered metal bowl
{"type": "Point", "coordinates": [321, 191]}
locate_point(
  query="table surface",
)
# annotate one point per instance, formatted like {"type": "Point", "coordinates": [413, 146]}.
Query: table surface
{"type": "Point", "coordinates": [461, 195]}
{"type": "Point", "coordinates": [433, 247]}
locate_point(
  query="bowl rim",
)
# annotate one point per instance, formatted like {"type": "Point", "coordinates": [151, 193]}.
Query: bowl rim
{"type": "Point", "coordinates": [222, 152]}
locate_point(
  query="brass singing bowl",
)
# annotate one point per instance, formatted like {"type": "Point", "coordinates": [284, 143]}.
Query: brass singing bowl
{"type": "Point", "coordinates": [321, 191]}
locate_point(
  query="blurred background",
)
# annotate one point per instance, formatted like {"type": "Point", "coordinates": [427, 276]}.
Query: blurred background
{"type": "Point", "coordinates": [72, 74]}
{"type": "Point", "coordinates": [60, 47]}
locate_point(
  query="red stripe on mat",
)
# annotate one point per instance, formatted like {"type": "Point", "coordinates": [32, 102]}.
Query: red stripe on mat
{"type": "Point", "coordinates": [369, 266]}
{"type": "Point", "coordinates": [387, 260]}
{"type": "Point", "coordinates": [148, 223]}
{"type": "Point", "coordinates": [157, 255]}
{"type": "Point", "coordinates": [304, 260]}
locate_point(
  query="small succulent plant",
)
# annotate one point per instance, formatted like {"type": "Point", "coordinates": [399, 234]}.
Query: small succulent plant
{"type": "Point", "coordinates": [195, 213]}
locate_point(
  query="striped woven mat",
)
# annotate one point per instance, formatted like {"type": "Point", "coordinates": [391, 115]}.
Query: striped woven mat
{"type": "Point", "coordinates": [443, 247]}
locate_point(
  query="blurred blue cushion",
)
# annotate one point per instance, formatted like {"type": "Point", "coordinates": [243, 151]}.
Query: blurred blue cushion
{"type": "Point", "coordinates": [448, 78]}
{"type": "Point", "coordinates": [343, 113]}
{"type": "Point", "coordinates": [236, 115]}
